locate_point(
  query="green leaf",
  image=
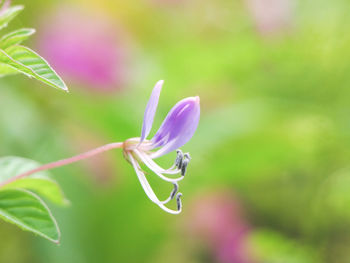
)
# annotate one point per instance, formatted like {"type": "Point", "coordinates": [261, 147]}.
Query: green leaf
{"type": "Point", "coordinates": [6, 70]}
{"type": "Point", "coordinates": [16, 37]}
{"type": "Point", "coordinates": [9, 14]}
{"type": "Point", "coordinates": [40, 182]}
{"type": "Point", "coordinates": [43, 186]}
{"type": "Point", "coordinates": [31, 64]}
{"type": "Point", "coordinates": [26, 210]}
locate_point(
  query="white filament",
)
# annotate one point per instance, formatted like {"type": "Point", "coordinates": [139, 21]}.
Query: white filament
{"type": "Point", "coordinates": [155, 169]}
{"type": "Point", "coordinates": [148, 189]}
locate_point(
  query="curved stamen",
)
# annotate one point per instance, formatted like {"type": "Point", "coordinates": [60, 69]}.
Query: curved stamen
{"type": "Point", "coordinates": [172, 194]}
{"type": "Point", "coordinates": [146, 187]}
{"type": "Point", "coordinates": [155, 168]}
{"type": "Point", "coordinates": [179, 206]}
{"type": "Point", "coordinates": [181, 162]}
{"type": "Point", "coordinates": [148, 190]}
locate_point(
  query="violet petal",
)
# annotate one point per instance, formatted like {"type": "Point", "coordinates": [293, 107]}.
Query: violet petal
{"type": "Point", "coordinates": [151, 110]}
{"type": "Point", "coordinates": [178, 127]}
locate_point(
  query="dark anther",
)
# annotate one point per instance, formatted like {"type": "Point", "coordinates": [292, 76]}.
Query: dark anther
{"type": "Point", "coordinates": [179, 158]}
{"type": "Point", "coordinates": [178, 201]}
{"type": "Point", "coordinates": [187, 156]}
{"type": "Point", "coordinates": [173, 193]}
{"type": "Point", "coordinates": [185, 163]}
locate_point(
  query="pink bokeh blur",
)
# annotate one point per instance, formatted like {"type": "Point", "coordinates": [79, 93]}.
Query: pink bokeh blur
{"type": "Point", "coordinates": [86, 48]}
{"type": "Point", "coordinates": [217, 219]}
{"type": "Point", "coordinates": [271, 16]}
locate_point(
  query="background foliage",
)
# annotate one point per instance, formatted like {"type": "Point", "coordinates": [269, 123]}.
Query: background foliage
{"type": "Point", "coordinates": [270, 157]}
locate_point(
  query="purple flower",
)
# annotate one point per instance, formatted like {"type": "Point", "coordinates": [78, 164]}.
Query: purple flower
{"type": "Point", "coordinates": [176, 130]}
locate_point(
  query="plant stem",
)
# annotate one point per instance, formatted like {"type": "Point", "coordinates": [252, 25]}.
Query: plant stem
{"type": "Point", "coordinates": [63, 162]}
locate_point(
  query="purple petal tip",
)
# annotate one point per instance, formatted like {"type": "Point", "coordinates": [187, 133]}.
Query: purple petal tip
{"type": "Point", "coordinates": [151, 110]}
{"type": "Point", "coordinates": [178, 127]}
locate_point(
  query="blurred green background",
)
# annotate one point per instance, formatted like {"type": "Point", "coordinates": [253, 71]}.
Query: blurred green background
{"type": "Point", "coordinates": [269, 178]}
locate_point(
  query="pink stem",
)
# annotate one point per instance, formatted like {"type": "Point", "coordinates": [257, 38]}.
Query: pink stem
{"type": "Point", "coordinates": [63, 162]}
